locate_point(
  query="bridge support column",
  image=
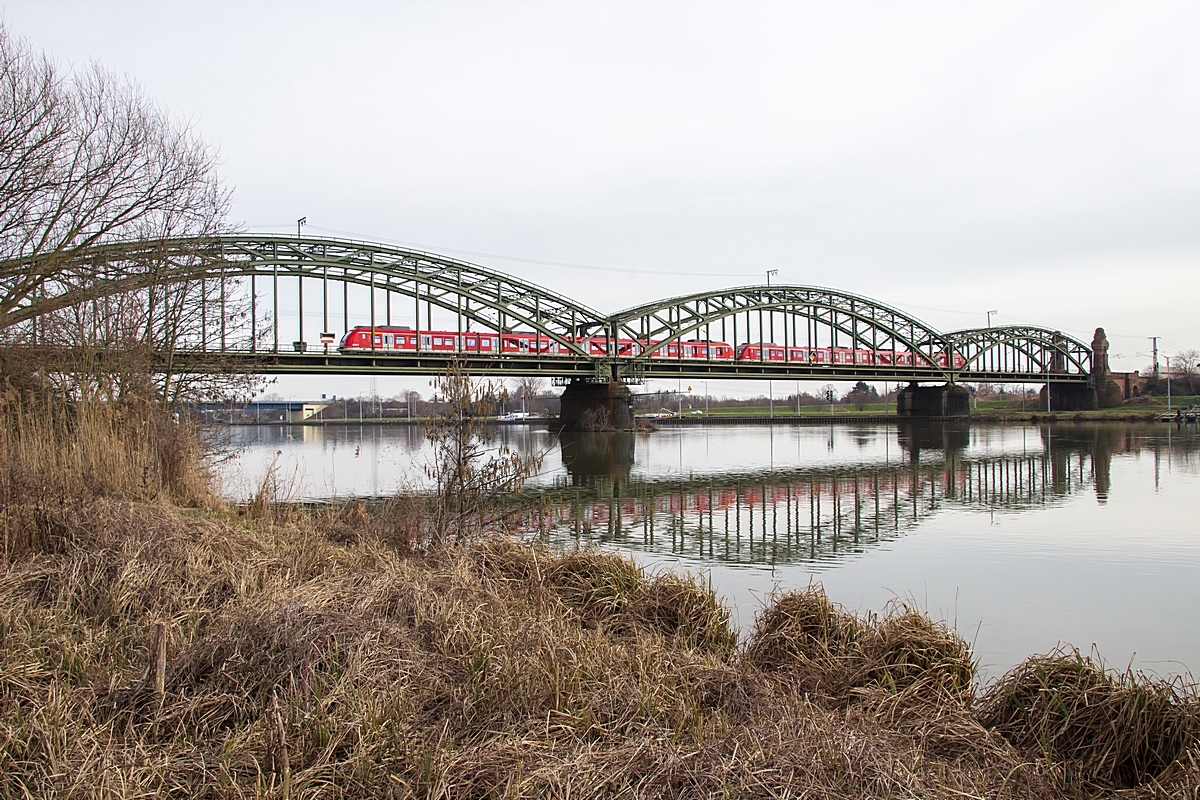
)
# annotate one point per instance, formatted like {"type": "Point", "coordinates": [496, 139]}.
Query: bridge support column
{"type": "Point", "coordinates": [590, 406]}
{"type": "Point", "coordinates": [1070, 397]}
{"type": "Point", "coordinates": [933, 401]}
{"type": "Point", "coordinates": [1112, 388]}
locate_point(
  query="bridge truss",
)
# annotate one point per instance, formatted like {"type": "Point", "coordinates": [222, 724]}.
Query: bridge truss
{"type": "Point", "coordinates": [254, 302]}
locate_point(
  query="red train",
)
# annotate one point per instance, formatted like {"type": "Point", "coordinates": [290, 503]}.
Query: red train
{"type": "Point", "coordinates": [390, 339]}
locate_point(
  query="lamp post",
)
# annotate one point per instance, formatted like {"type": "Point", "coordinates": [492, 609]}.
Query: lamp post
{"type": "Point", "coordinates": [300, 296]}
{"type": "Point", "coordinates": [989, 316]}
{"type": "Point", "coordinates": [771, 272]}
{"type": "Point", "coordinates": [706, 398]}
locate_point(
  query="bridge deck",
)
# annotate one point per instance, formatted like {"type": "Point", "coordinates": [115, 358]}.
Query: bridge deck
{"type": "Point", "coordinates": [586, 369]}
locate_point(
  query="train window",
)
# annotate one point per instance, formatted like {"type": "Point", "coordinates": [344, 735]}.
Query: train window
{"type": "Point", "coordinates": [486, 344]}
{"type": "Point", "coordinates": [437, 340]}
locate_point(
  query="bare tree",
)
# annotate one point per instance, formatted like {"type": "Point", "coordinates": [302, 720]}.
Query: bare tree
{"type": "Point", "coordinates": [86, 160]}
{"type": "Point", "coordinates": [471, 478]}
{"type": "Point", "coordinates": [1186, 368]}
{"type": "Point", "coordinates": [530, 387]}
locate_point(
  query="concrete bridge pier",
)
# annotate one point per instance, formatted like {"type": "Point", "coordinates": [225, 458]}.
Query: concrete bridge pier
{"type": "Point", "coordinates": [1070, 397]}
{"type": "Point", "coordinates": [588, 406]}
{"type": "Point", "coordinates": [949, 400]}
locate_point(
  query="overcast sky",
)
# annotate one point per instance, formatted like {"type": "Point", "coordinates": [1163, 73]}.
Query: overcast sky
{"type": "Point", "coordinates": [1042, 159]}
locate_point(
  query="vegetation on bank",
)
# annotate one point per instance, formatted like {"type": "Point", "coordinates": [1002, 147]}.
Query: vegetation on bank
{"type": "Point", "coordinates": [154, 641]}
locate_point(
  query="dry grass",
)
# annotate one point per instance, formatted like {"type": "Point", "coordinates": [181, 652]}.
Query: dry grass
{"type": "Point", "coordinates": [53, 451]}
{"type": "Point", "coordinates": [835, 655]}
{"type": "Point", "coordinates": [309, 666]}
{"type": "Point", "coordinates": [321, 652]}
{"type": "Point", "coordinates": [1117, 729]}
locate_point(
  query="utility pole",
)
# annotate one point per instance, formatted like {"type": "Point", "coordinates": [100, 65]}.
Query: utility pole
{"type": "Point", "coordinates": [1168, 383]}
{"type": "Point", "coordinates": [1048, 383]}
{"type": "Point", "coordinates": [1154, 354]}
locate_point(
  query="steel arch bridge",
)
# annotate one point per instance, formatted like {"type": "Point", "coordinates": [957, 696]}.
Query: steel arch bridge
{"type": "Point", "coordinates": [250, 293]}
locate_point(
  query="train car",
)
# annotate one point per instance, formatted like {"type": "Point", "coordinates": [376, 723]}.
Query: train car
{"type": "Point", "coordinates": [777, 352]}
{"type": "Point", "coordinates": [692, 349]}
{"type": "Point", "coordinates": [845, 355]}
{"type": "Point", "coordinates": [701, 350]}
{"type": "Point", "coordinates": [385, 339]}
{"type": "Point", "coordinates": [530, 343]}
{"type": "Point", "coordinates": [391, 339]}
{"type": "Point", "coordinates": [959, 361]}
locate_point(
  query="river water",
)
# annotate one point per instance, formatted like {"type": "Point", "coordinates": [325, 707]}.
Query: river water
{"type": "Point", "coordinates": [1021, 536]}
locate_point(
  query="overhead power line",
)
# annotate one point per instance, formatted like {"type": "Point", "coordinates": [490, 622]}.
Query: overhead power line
{"type": "Point", "coordinates": [591, 267]}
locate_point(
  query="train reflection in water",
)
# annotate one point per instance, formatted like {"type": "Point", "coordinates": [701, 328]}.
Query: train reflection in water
{"type": "Point", "coordinates": [822, 514]}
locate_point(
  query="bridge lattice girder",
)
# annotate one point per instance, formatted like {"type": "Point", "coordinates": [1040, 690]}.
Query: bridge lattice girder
{"type": "Point", "coordinates": [492, 300]}
{"type": "Point", "coordinates": [1027, 347]}
{"type": "Point", "coordinates": [486, 297]}
{"type": "Point", "coordinates": [859, 321]}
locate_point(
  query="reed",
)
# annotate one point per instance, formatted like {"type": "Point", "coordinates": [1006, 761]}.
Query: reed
{"type": "Point", "coordinates": [1103, 726]}
{"type": "Point", "coordinates": [834, 655]}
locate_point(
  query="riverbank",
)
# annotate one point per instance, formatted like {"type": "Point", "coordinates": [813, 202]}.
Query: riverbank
{"type": "Point", "coordinates": [157, 641]}
{"type": "Point", "coordinates": [148, 649]}
{"type": "Point", "coordinates": [1123, 414]}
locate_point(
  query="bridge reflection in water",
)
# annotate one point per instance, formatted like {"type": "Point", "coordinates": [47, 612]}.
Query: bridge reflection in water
{"type": "Point", "coordinates": [825, 514]}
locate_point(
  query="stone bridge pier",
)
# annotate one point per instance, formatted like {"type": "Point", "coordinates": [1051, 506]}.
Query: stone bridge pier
{"type": "Point", "coordinates": [949, 400]}
{"type": "Point", "coordinates": [1069, 397]}
{"type": "Point", "coordinates": [588, 406]}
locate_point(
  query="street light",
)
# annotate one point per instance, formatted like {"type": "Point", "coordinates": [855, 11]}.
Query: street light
{"type": "Point", "coordinates": [299, 345]}
{"type": "Point", "coordinates": [989, 316]}
{"type": "Point", "coordinates": [771, 272]}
